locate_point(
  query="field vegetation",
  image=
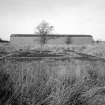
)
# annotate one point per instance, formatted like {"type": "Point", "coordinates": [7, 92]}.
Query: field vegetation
{"type": "Point", "coordinates": [54, 82]}
{"type": "Point", "coordinates": [50, 82]}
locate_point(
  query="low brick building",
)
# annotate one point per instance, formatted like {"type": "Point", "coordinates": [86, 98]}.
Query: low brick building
{"type": "Point", "coordinates": [25, 41]}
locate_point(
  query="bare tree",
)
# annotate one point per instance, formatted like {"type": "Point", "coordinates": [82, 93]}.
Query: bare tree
{"type": "Point", "coordinates": [43, 29]}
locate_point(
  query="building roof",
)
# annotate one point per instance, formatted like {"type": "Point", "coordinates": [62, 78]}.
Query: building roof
{"type": "Point", "coordinates": [49, 35]}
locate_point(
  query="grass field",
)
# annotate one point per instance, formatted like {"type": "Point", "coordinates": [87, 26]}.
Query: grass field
{"type": "Point", "coordinates": [53, 82]}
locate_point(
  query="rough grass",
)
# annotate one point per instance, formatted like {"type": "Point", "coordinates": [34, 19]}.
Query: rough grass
{"type": "Point", "coordinates": [51, 82]}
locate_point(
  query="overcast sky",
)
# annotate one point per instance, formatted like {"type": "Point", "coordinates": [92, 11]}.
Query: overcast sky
{"type": "Point", "coordinates": [67, 16]}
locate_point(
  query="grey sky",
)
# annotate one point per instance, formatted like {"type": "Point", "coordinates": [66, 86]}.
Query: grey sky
{"type": "Point", "coordinates": [67, 16]}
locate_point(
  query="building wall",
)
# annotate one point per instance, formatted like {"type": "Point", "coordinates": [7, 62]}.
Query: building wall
{"type": "Point", "coordinates": [81, 40]}
{"type": "Point", "coordinates": [34, 42]}
{"type": "Point", "coordinates": [24, 42]}
{"type": "Point", "coordinates": [57, 41]}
